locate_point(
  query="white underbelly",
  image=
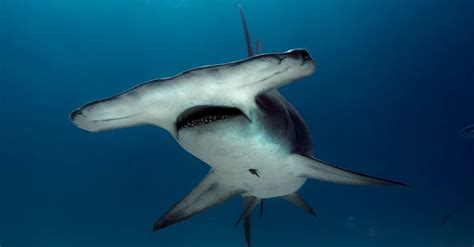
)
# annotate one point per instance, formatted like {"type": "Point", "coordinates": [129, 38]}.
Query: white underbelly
{"type": "Point", "coordinates": [237, 147]}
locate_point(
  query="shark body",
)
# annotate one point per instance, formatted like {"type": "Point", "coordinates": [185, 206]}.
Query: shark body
{"type": "Point", "coordinates": [232, 117]}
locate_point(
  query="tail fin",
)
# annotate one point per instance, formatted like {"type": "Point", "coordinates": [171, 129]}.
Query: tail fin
{"type": "Point", "coordinates": [316, 169]}
{"type": "Point", "coordinates": [247, 223]}
{"type": "Point", "coordinates": [250, 203]}
{"type": "Point", "coordinates": [211, 191]}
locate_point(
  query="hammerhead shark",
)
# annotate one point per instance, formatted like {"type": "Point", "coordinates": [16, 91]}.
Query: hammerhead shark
{"type": "Point", "coordinates": [232, 117]}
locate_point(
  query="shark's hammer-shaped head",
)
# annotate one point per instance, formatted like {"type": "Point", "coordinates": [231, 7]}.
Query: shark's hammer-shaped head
{"type": "Point", "coordinates": [161, 102]}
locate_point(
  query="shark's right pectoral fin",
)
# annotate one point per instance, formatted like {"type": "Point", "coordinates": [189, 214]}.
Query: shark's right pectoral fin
{"type": "Point", "coordinates": [211, 191]}
{"type": "Point", "coordinates": [316, 169]}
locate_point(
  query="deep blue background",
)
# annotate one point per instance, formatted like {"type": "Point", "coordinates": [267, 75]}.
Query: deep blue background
{"type": "Point", "coordinates": [394, 86]}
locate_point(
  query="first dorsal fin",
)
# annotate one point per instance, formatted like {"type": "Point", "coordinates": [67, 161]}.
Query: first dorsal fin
{"type": "Point", "coordinates": [246, 32]}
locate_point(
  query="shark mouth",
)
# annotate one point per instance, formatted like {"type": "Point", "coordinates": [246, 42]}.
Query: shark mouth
{"type": "Point", "coordinates": [202, 115]}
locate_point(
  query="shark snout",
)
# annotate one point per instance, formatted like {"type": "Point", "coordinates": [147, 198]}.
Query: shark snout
{"type": "Point", "coordinates": [79, 118]}
{"type": "Point", "coordinates": [91, 118]}
{"type": "Point", "coordinates": [109, 113]}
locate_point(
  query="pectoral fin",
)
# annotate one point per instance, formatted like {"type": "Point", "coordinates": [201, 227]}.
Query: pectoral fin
{"type": "Point", "coordinates": [211, 191]}
{"type": "Point", "coordinates": [296, 199]}
{"type": "Point", "coordinates": [317, 169]}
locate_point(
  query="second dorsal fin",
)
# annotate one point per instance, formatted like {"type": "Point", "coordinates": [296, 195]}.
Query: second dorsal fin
{"type": "Point", "coordinates": [259, 46]}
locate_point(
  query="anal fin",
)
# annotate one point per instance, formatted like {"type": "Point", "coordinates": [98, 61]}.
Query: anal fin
{"type": "Point", "coordinates": [209, 192]}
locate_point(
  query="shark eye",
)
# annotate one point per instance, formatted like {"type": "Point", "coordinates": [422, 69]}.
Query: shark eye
{"type": "Point", "coordinates": [305, 55]}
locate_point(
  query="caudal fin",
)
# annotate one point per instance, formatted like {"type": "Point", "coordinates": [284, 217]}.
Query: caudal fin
{"type": "Point", "coordinates": [317, 169]}
{"type": "Point", "coordinates": [249, 204]}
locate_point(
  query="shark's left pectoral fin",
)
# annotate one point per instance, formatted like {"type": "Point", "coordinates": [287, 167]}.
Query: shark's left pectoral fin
{"type": "Point", "coordinates": [211, 191]}
{"type": "Point", "coordinates": [317, 169]}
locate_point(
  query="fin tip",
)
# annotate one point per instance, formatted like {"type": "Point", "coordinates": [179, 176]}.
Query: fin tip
{"type": "Point", "coordinates": [156, 228]}
{"type": "Point", "coordinates": [160, 225]}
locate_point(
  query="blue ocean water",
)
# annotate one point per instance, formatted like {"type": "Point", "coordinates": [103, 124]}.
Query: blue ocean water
{"type": "Point", "coordinates": [393, 88]}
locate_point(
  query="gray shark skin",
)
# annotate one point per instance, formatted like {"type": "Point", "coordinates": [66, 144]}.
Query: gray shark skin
{"type": "Point", "coordinates": [232, 117]}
